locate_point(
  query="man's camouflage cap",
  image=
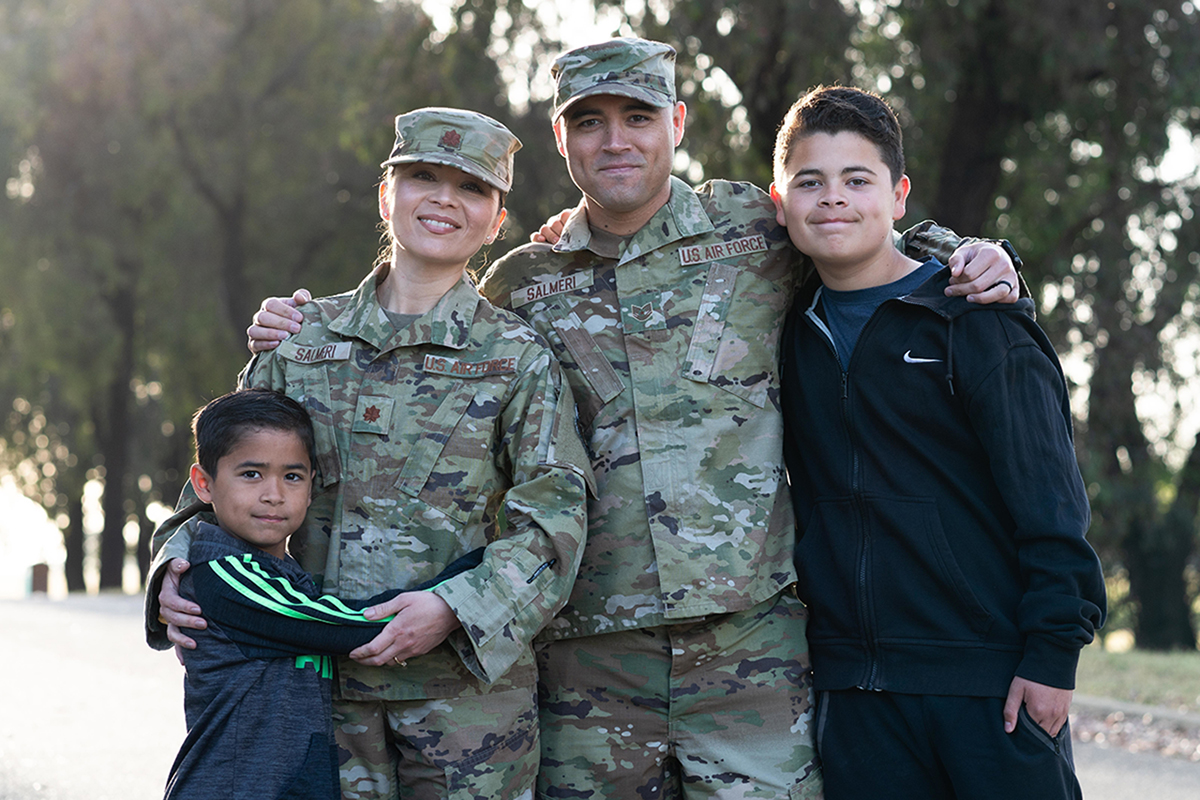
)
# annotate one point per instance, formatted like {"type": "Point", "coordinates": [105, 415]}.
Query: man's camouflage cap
{"type": "Point", "coordinates": [637, 68]}
{"type": "Point", "coordinates": [468, 140]}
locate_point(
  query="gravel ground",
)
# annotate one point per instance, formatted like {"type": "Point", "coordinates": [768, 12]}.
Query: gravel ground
{"type": "Point", "coordinates": [1138, 729]}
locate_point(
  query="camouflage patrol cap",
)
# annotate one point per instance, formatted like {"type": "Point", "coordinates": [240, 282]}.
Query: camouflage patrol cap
{"type": "Point", "coordinates": [468, 140]}
{"type": "Point", "coordinates": [637, 68]}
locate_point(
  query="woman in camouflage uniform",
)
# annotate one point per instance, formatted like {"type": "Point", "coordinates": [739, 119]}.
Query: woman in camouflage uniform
{"type": "Point", "coordinates": [443, 428]}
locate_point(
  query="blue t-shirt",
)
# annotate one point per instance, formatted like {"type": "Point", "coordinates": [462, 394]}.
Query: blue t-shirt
{"type": "Point", "coordinates": [846, 313]}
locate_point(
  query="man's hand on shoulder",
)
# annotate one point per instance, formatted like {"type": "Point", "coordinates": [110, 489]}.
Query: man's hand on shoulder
{"type": "Point", "coordinates": [552, 230]}
{"type": "Point", "coordinates": [984, 273]}
{"type": "Point", "coordinates": [275, 320]}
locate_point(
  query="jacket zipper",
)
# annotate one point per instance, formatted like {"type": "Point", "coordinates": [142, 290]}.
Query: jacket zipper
{"type": "Point", "coordinates": [863, 590]}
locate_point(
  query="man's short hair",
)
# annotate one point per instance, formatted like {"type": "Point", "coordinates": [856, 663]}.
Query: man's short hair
{"type": "Point", "coordinates": [834, 109]}
{"type": "Point", "coordinates": [220, 425]}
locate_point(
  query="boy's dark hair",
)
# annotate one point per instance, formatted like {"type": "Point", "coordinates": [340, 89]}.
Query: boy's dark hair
{"type": "Point", "coordinates": [222, 423]}
{"type": "Point", "coordinates": [833, 109]}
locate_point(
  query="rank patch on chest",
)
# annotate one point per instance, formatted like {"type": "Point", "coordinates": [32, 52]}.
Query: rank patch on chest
{"type": "Point", "coordinates": [700, 253]}
{"type": "Point", "coordinates": [552, 285]}
{"type": "Point", "coordinates": [470, 369]}
{"type": "Point", "coordinates": [326, 352]}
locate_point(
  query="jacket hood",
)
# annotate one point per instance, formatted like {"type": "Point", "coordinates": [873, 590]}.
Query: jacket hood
{"type": "Point", "coordinates": [932, 295]}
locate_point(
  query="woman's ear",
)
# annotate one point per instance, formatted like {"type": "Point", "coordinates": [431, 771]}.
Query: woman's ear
{"type": "Point", "coordinates": [385, 208]}
{"type": "Point", "coordinates": [491, 237]}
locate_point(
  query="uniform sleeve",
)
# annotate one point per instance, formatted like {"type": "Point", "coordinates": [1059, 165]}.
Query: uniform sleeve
{"type": "Point", "coordinates": [172, 539]}
{"type": "Point", "coordinates": [927, 238]}
{"type": "Point", "coordinates": [527, 572]}
{"type": "Point", "coordinates": [1021, 413]}
{"type": "Point", "coordinates": [268, 616]}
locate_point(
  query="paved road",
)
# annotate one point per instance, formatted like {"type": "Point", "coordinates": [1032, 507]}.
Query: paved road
{"type": "Point", "coordinates": [88, 712]}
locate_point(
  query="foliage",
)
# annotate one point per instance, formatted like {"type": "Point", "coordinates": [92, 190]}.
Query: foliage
{"type": "Point", "coordinates": [171, 163]}
{"type": "Point", "coordinates": [1171, 680]}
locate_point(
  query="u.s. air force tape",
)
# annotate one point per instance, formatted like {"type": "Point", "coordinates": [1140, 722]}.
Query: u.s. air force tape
{"type": "Point", "coordinates": [470, 369]}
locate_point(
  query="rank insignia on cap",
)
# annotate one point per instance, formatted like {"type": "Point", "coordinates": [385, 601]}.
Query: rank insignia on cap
{"type": "Point", "coordinates": [451, 139]}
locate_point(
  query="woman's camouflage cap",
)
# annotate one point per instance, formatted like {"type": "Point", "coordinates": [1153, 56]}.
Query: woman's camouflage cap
{"type": "Point", "coordinates": [468, 140]}
{"type": "Point", "coordinates": [637, 68]}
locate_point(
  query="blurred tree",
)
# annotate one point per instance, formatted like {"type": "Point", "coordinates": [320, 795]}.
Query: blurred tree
{"type": "Point", "coordinates": [174, 162]}
{"type": "Point", "coordinates": [1052, 140]}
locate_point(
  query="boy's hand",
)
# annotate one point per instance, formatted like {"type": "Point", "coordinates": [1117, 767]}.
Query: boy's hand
{"type": "Point", "coordinates": [175, 610]}
{"type": "Point", "coordinates": [422, 622]}
{"type": "Point", "coordinates": [1047, 706]}
{"type": "Point", "coordinates": [275, 319]}
{"type": "Point", "coordinates": [551, 232]}
{"type": "Point", "coordinates": [984, 273]}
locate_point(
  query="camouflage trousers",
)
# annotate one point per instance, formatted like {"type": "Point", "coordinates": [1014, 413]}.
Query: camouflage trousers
{"type": "Point", "coordinates": [480, 747]}
{"type": "Point", "coordinates": [718, 708]}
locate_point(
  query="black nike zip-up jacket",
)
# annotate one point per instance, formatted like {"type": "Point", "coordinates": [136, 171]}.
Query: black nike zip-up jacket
{"type": "Point", "coordinates": [940, 511]}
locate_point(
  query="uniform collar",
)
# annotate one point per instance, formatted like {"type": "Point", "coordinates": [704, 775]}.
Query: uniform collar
{"type": "Point", "coordinates": [680, 217]}
{"type": "Point", "coordinates": [447, 324]}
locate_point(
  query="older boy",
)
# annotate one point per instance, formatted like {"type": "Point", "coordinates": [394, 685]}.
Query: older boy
{"type": "Point", "coordinates": [941, 547]}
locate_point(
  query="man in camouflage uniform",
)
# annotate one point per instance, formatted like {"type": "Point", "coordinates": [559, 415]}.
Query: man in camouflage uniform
{"type": "Point", "coordinates": [679, 665]}
{"type": "Point", "coordinates": [437, 435]}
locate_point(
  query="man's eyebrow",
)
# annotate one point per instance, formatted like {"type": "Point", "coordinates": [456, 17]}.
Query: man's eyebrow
{"type": "Point", "coordinates": [581, 110]}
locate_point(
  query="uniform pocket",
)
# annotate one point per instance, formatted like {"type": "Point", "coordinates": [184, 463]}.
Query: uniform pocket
{"type": "Point", "coordinates": [735, 340]}
{"type": "Point", "coordinates": [444, 466]}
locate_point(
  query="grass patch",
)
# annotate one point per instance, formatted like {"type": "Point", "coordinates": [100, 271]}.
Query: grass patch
{"type": "Point", "coordinates": [1139, 676]}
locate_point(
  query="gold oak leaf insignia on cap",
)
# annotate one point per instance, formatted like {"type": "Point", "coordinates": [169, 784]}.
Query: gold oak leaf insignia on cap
{"type": "Point", "coordinates": [371, 414]}
{"type": "Point", "coordinates": [451, 139]}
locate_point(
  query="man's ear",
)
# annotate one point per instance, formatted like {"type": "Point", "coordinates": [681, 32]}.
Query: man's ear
{"type": "Point", "coordinates": [559, 125]}
{"type": "Point", "coordinates": [678, 117]}
{"type": "Point", "coordinates": [201, 483]}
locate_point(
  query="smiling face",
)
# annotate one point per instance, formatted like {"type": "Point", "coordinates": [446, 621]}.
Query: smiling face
{"type": "Point", "coordinates": [261, 489]}
{"type": "Point", "coordinates": [438, 216]}
{"type": "Point", "coordinates": [836, 197]}
{"type": "Point", "coordinates": [619, 152]}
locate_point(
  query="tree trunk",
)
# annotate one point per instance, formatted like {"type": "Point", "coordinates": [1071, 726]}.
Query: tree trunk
{"type": "Point", "coordinates": [73, 543]}
{"type": "Point", "coordinates": [113, 434]}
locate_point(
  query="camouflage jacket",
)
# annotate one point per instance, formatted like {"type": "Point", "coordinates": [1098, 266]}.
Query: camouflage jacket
{"type": "Point", "coordinates": [671, 347]}
{"type": "Point", "coordinates": [454, 433]}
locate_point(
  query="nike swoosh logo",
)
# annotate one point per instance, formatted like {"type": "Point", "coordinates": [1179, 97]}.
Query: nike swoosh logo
{"type": "Point", "coordinates": [909, 358]}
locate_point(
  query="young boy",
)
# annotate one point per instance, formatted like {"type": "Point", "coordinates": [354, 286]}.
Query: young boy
{"type": "Point", "coordinates": [940, 508]}
{"type": "Point", "coordinates": [257, 691]}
